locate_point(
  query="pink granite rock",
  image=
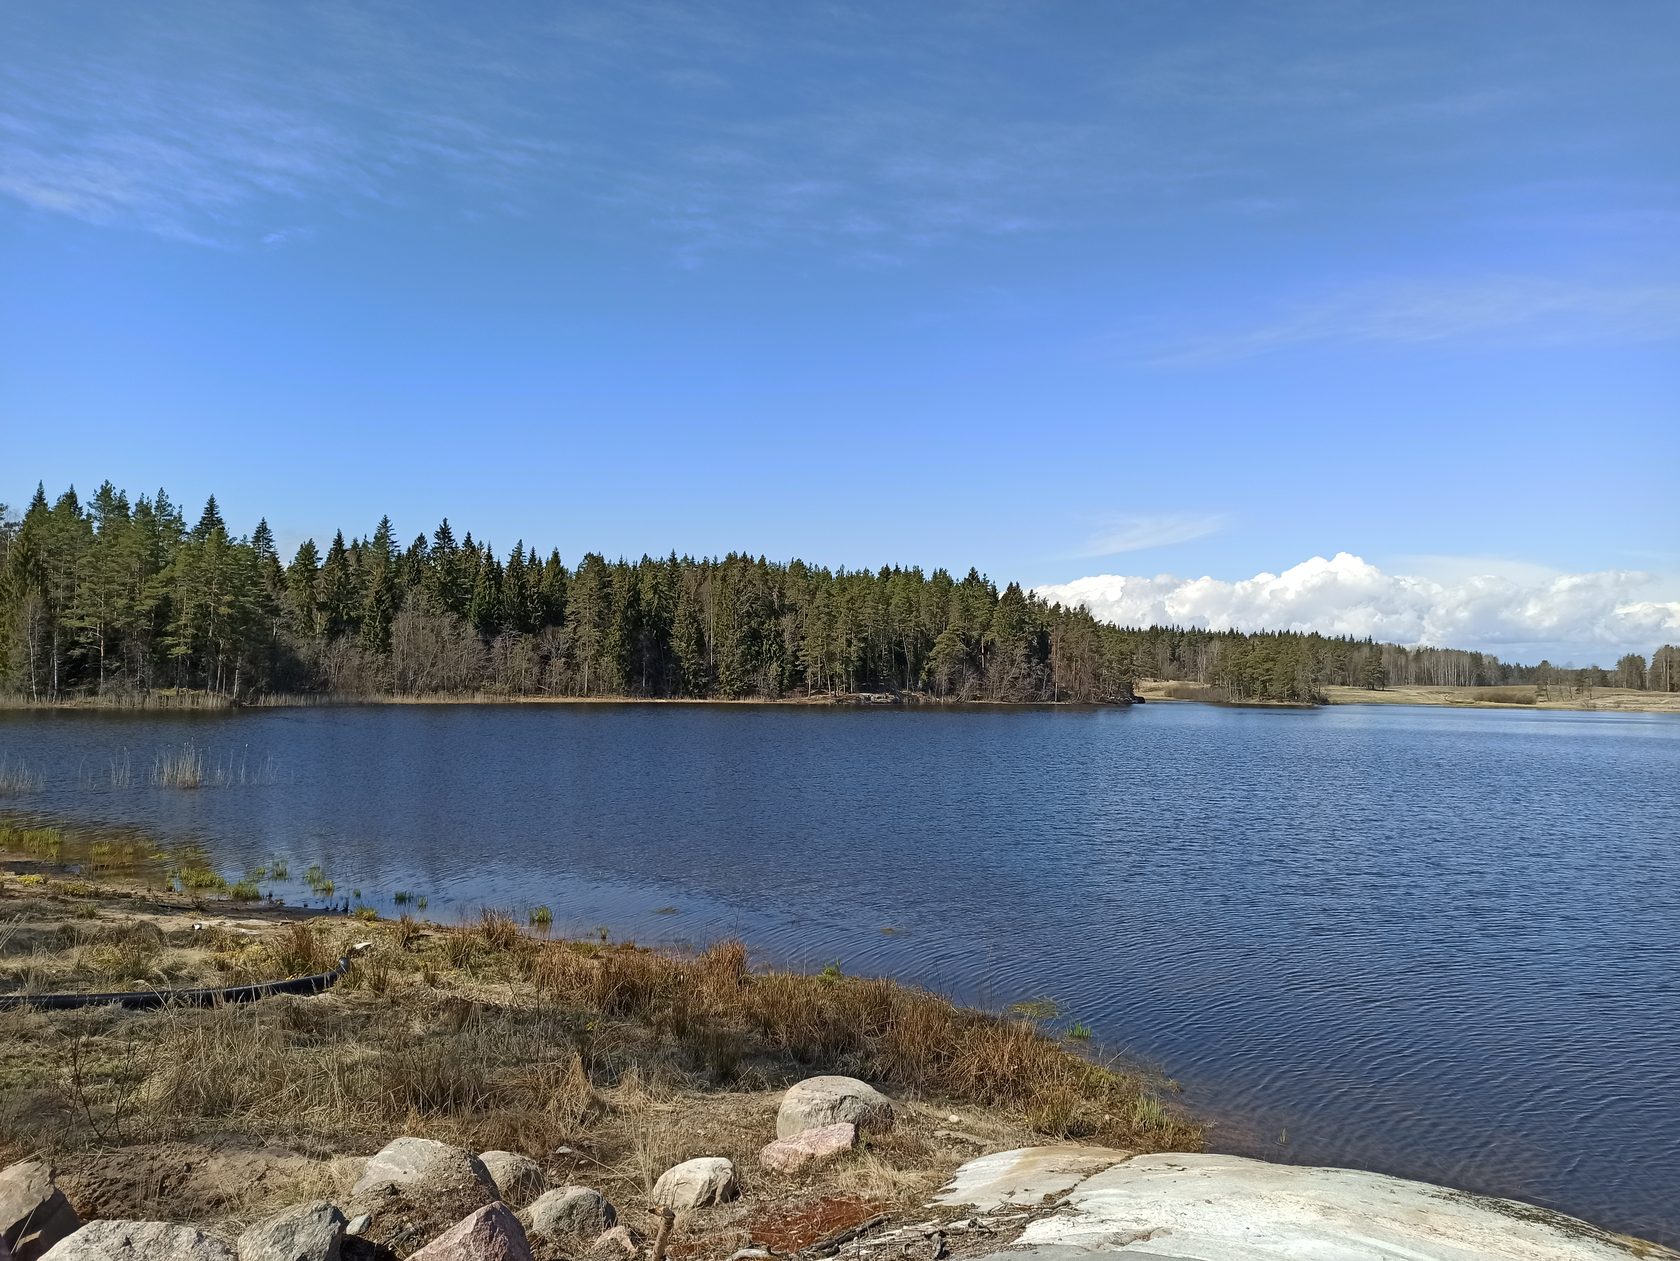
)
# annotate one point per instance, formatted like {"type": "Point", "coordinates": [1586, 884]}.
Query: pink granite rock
{"type": "Point", "coordinates": [491, 1234]}
{"type": "Point", "coordinates": [809, 1147]}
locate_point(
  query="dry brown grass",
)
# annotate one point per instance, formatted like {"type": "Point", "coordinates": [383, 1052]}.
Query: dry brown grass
{"type": "Point", "coordinates": [487, 1037]}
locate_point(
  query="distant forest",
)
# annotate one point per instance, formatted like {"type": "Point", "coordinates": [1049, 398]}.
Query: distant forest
{"type": "Point", "coordinates": [123, 598]}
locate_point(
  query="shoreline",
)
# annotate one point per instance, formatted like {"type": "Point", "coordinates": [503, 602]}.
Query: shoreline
{"type": "Point", "coordinates": [1147, 691]}
{"type": "Point", "coordinates": [1602, 701]}
{"type": "Point", "coordinates": [237, 1081]}
{"type": "Point", "coordinates": [615, 1060]}
{"type": "Point", "coordinates": [199, 702]}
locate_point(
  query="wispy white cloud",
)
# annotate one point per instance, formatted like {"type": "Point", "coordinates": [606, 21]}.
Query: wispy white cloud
{"type": "Point", "coordinates": [1140, 533]}
{"type": "Point", "coordinates": [1571, 618]}
{"type": "Point", "coordinates": [877, 129]}
{"type": "Point", "coordinates": [282, 237]}
{"type": "Point", "coordinates": [1538, 309]}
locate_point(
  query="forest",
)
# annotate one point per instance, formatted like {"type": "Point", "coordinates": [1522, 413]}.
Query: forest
{"type": "Point", "coordinates": [123, 599]}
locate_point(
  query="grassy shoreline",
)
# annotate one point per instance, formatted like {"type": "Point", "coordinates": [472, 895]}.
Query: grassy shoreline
{"type": "Point", "coordinates": [624, 1059]}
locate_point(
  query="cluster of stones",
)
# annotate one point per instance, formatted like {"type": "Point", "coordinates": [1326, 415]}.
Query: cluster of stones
{"type": "Point", "coordinates": [413, 1183]}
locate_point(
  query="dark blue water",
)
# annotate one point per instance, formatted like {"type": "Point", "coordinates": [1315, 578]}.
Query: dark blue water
{"type": "Point", "coordinates": [1440, 943]}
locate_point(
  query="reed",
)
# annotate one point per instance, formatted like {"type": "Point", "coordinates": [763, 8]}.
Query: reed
{"type": "Point", "coordinates": [179, 768]}
{"type": "Point", "coordinates": [17, 779]}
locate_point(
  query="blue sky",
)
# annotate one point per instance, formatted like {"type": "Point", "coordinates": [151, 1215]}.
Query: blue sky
{"type": "Point", "coordinates": [1056, 290]}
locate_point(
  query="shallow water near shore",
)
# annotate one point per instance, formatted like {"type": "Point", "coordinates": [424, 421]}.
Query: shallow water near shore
{"type": "Point", "coordinates": [1439, 943]}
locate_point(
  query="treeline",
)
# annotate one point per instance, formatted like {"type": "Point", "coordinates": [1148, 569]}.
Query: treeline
{"type": "Point", "coordinates": [122, 598]}
{"type": "Point", "coordinates": [1296, 667]}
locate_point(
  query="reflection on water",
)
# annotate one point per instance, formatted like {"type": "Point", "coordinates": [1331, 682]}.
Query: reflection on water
{"type": "Point", "coordinates": [1439, 943]}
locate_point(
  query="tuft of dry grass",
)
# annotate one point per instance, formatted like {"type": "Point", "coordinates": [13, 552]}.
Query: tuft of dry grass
{"type": "Point", "coordinates": [498, 929]}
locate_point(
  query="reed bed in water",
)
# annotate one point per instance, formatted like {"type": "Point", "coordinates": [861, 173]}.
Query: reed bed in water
{"type": "Point", "coordinates": [189, 767]}
{"type": "Point", "coordinates": [17, 779]}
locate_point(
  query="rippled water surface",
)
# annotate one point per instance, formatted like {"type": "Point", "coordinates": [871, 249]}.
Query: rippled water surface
{"type": "Point", "coordinates": [1440, 943]}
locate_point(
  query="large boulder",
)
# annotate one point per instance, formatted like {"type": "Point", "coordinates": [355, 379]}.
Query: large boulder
{"type": "Point", "coordinates": [819, 1101]}
{"type": "Point", "coordinates": [305, 1232]}
{"type": "Point", "coordinates": [809, 1147]}
{"type": "Point", "coordinates": [113, 1240]}
{"type": "Point", "coordinates": [34, 1215]}
{"type": "Point", "coordinates": [569, 1212]}
{"type": "Point", "coordinates": [491, 1234]}
{"type": "Point", "coordinates": [696, 1183]}
{"type": "Point", "coordinates": [519, 1178]}
{"type": "Point", "coordinates": [1203, 1207]}
{"type": "Point", "coordinates": [405, 1164]}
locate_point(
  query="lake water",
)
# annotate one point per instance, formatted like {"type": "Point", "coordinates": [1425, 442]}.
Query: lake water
{"type": "Point", "coordinates": [1440, 943]}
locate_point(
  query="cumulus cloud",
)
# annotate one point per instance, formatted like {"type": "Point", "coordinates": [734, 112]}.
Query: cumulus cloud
{"type": "Point", "coordinates": [1571, 618]}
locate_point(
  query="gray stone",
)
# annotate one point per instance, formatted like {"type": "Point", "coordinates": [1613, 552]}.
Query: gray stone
{"type": "Point", "coordinates": [140, 1241]}
{"type": "Point", "coordinates": [519, 1178]}
{"type": "Point", "coordinates": [304, 1232]}
{"type": "Point", "coordinates": [406, 1163]}
{"type": "Point", "coordinates": [359, 1224]}
{"type": "Point", "coordinates": [570, 1212]}
{"type": "Point", "coordinates": [34, 1215]}
{"type": "Point", "coordinates": [696, 1183]}
{"type": "Point", "coordinates": [820, 1101]}
{"type": "Point", "coordinates": [809, 1147]}
{"type": "Point", "coordinates": [491, 1234]}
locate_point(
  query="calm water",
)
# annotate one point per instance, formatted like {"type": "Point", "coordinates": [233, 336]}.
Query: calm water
{"type": "Point", "coordinates": [1439, 943]}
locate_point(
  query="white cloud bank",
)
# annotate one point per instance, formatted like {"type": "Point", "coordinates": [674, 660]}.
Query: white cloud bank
{"type": "Point", "coordinates": [1573, 619]}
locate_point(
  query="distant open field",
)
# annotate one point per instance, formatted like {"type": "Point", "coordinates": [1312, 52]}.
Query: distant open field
{"type": "Point", "coordinates": [1511, 696]}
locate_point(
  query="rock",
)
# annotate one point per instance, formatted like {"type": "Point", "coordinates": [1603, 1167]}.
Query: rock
{"type": "Point", "coordinates": [1026, 1175]}
{"type": "Point", "coordinates": [696, 1183]}
{"type": "Point", "coordinates": [359, 1224]}
{"type": "Point", "coordinates": [574, 1212]}
{"type": "Point", "coordinates": [113, 1240]}
{"type": "Point", "coordinates": [809, 1147]}
{"type": "Point", "coordinates": [1178, 1207]}
{"type": "Point", "coordinates": [519, 1178]}
{"type": "Point", "coordinates": [491, 1234]}
{"type": "Point", "coordinates": [406, 1163]}
{"type": "Point", "coordinates": [34, 1215]}
{"type": "Point", "coordinates": [305, 1232]}
{"type": "Point", "coordinates": [820, 1101]}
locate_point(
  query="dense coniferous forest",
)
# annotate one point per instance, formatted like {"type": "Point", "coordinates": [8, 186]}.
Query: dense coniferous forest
{"type": "Point", "coordinates": [124, 599]}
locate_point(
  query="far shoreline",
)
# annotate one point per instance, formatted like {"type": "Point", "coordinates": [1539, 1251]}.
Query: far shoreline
{"type": "Point", "coordinates": [1606, 700]}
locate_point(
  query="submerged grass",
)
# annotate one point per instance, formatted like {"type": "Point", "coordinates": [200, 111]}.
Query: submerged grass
{"type": "Point", "coordinates": [45, 843]}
